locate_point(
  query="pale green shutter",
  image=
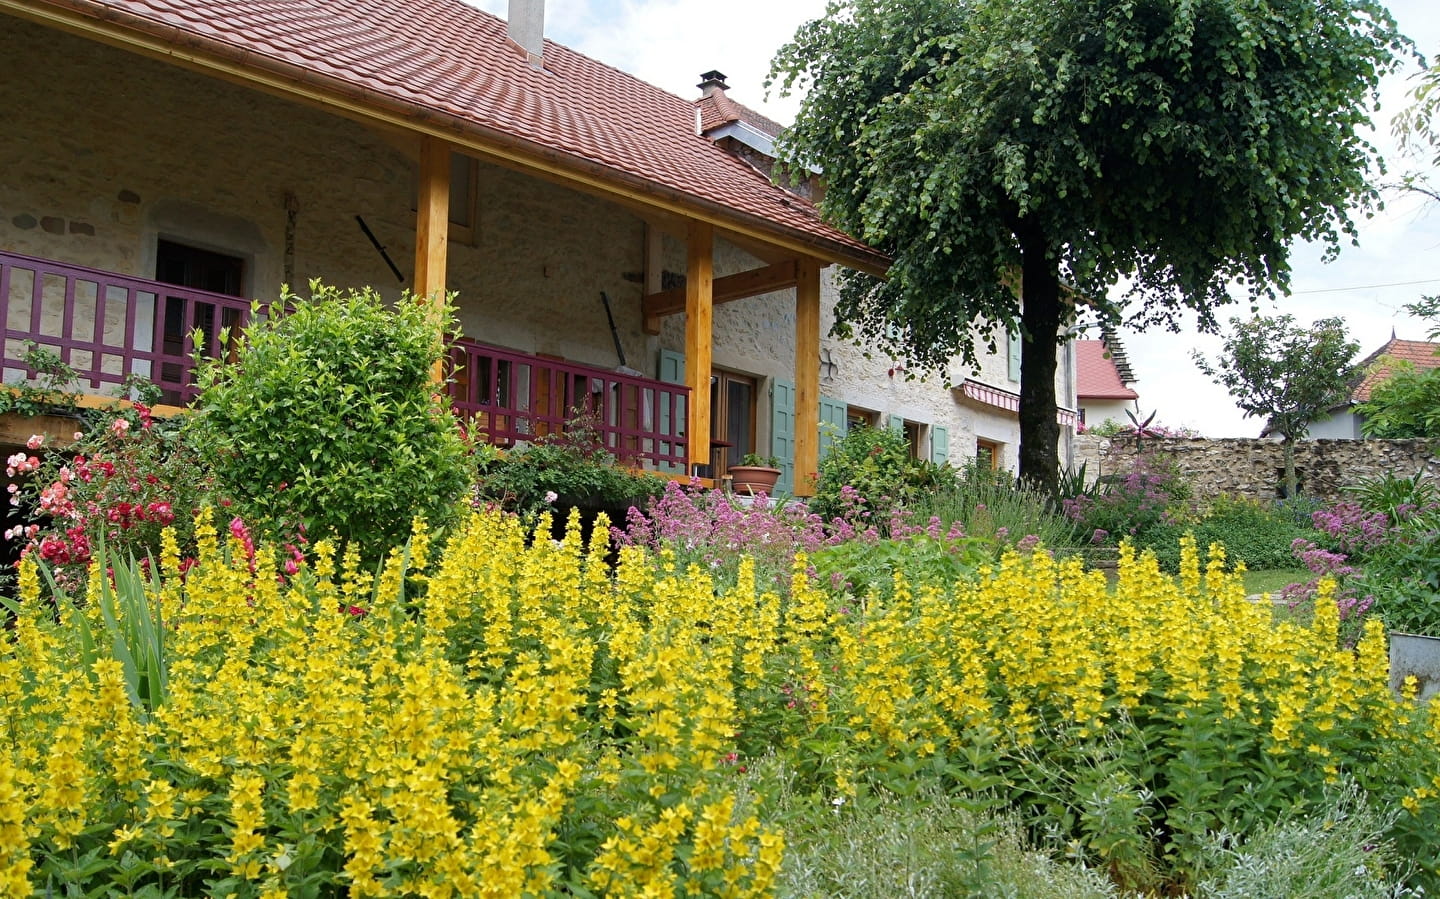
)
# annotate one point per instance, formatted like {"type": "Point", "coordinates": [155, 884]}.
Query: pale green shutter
{"type": "Point", "coordinates": [672, 371]}
{"type": "Point", "coordinates": [832, 424]}
{"type": "Point", "coordinates": [1014, 366]}
{"type": "Point", "coordinates": [782, 432]}
{"type": "Point", "coordinates": [897, 424]}
{"type": "Point", "coordinates": [939, 444]}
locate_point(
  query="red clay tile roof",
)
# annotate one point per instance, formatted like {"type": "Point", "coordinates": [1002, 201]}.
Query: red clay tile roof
{"type": "Point", "coordinates": [1376, 367]}
{"type": "Point", "coordinates": [717, 109]}
{"type": "Point", "coordinates": [454, 64]}
{"type": "Point", "coordinates": [1098, 378]}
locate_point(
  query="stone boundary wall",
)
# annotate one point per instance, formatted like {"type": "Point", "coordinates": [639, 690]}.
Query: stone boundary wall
{"type": "Point", "coordinates": [1255, 468]}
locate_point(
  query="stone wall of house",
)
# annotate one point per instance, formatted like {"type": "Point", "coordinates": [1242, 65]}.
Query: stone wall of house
{"type": "Point", "coordinates": [104, 153]}
{"type": "Point", "coordinates": [1255, 468]}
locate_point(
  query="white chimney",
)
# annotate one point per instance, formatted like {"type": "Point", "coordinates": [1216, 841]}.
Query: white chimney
{"type": "Point", "coordinates": [526, 27]}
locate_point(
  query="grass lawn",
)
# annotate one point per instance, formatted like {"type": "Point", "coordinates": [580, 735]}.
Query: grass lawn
{"type": "Point", "coordinates": [1274, 580]}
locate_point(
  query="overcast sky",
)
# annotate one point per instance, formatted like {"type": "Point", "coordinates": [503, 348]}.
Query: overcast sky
{"type": "Point", "coordinates": [670, 42]}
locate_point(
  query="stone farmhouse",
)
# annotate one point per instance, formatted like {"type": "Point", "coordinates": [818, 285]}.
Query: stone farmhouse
{"type": "Point", "coordinates": [613, 248]}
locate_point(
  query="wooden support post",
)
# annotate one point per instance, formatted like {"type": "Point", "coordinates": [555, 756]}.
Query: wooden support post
{"type": "Point", "coordinates": [432, 227]}
{"type": "Point", "coordinates": [699, 284]}
{"type": "Point", "coordinates": [654, 269]}
{"type": "Point", "coordinates": [807, 375]}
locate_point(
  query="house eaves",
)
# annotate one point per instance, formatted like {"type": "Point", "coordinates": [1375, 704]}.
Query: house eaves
{"type": "Point", "coordinates": [445, 69]}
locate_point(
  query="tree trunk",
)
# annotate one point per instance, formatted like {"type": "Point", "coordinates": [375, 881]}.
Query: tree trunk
{"type": "Point", "coordinates": [1041, 316]}
{"type": "Point", "coordinates": [1287, 450]}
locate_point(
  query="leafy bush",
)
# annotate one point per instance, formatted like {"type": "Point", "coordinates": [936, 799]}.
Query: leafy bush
{"type": "Point", "coordinates": [571, 466]}
{"type": "Point", "coordinates": [869, 475]}
{"type": "Point", "coordinates": [1253, 532]}
{"type": "Point", "coordinates": [327, 418]}
{"type": "Point", "coordinates": [1337, 851]}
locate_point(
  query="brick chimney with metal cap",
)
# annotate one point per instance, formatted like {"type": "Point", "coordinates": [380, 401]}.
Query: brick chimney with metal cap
{"type": "Point", "coordinates": [525, 24]}
{"type": "Point", "coordinates": [712, 81]}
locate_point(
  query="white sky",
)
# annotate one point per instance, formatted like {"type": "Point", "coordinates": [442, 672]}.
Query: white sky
{"type": "Point", "coordinates": [670, 42]}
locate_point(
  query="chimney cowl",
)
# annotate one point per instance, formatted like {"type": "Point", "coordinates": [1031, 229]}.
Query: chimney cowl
{"type": "Point", "coordinates": [712, 81]}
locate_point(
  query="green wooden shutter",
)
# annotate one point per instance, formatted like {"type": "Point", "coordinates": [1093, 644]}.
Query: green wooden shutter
{"type": "Point", "coordinates": [939, 444]}
{"type": "Point", "coordinates": [782, 432]}
{"type": "Point", "coordinates": [1014, 362]}
{"type": "Point", "coordinates": [832, 424]}
{"type": "Point", "coordinates": [897, 424]}
{"type": "Point", "coordinates": [672, 371]}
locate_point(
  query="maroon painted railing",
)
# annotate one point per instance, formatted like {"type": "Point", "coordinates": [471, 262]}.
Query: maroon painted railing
{"type": "Point", "coordinates": [109, 327]}
{"type": "Point", "coordinates": [511, 397]}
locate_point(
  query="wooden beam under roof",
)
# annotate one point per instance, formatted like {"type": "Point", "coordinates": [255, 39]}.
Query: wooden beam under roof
{"type": "Point", "coordinates": [725, 290]}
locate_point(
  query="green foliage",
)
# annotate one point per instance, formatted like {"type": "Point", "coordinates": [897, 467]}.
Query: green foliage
{"type": "Point", "coordinates": [51, 394]}
{"type": "Point", "coordinates": [1289, 375]}
{"type": "Point", "coordinates": [572, 467]}
{"type": "Point", "coordinates": [863, 568]}
{"type": "Point", "coordinates": [1258, 534]}
{"type": "Point", "coordinates": [987, 503]}
{"type": "Point", "coordinates": [328, 418]}
{"type": "Point", "coordinates": [870, 475]}
{"type": "Point", "coordinates": [1175, 147]}
{"type": "Point", "coordinates": [927, 842]}
{"type": "Point", "coordinates": [1405, 404]}
{"type": "Point", "coordinates": [759, 461]}
{"type": "Point", "coordinates": [126, 624]}
{"type": "Point", "coordinates": [1337, 851]}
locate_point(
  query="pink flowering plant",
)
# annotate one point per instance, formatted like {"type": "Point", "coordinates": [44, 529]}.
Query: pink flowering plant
{"type": "Point", "coordinates": [712, 529]}
{"type": "Point", "coordinates": [122, 482]}
{"type": "Point", "coordinates": [1150, 494]}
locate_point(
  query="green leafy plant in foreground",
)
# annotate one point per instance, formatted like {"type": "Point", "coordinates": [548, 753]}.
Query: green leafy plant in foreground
{"type": "Point", "coordinates": [328, 418]}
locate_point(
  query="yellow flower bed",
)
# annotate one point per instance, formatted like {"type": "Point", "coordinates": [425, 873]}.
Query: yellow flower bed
{"type": "Point", "coordinates": [508, 720]}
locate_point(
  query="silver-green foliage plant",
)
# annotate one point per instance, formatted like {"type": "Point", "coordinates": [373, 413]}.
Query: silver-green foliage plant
{"type": "Point", "coordinates": [1337, 852]}
{"type": "Point", "coordinates": [327, 417]}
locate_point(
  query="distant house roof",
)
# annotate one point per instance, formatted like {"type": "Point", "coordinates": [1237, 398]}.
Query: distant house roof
{"type": "Point", "coordinates": [717, 109]}
{"type": "Point", "coordinates": [451, 66]}
{"type": "Point", "coordinates": [1376, 367]}
{"type": "Point", "coordinates": [1103, 369]}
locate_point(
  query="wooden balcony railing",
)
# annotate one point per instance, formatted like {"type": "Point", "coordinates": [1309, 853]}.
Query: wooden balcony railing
{"type": "Point", "coordinates": [109, 327]}
{"type": "Point", "coordinates": [512, 397]}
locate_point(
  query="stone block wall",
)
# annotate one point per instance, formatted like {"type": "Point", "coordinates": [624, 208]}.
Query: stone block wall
{"type": "Point", "coordinates": [1254, 468]}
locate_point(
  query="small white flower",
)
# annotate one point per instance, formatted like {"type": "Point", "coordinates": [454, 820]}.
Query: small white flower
{"type": "Point", "coordinates": [551, 496]}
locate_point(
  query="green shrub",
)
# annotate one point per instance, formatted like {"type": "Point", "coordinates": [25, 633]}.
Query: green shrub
{"type": "Point", "coordinates": [571, 467]}
{"type": "Point", "coordinates": [1255, 533]}
{"type": "Point", "coordinates": [870, 475]}
{"type": "Point", "coordinates": [328, 418]}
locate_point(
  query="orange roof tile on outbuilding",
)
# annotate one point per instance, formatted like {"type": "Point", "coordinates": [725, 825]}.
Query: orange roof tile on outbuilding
{"type": "Point", "coordinates": [1098, 378]}
{"type": "Point", "coordinates": [452, 68]}
{"type": "Point", "coordinates": [1377, 366]}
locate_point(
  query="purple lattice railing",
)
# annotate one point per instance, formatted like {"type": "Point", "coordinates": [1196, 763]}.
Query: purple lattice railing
{"type": "Point", "coordinates": [109, 327]}
{"type": "Point", "coordinates": [511, 397]}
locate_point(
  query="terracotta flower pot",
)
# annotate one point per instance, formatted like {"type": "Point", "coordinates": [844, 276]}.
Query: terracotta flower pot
{"type": "Point", "coordinates": [753, 479]}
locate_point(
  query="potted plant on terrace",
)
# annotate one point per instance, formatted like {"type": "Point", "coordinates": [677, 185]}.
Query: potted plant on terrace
{"type": "Point", "coordinates": [755, 474]}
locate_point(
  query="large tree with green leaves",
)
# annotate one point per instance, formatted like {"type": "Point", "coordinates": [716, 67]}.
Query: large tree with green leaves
{"type": "Point", "coordinates": [1166, 149]}
{"type": "Point", "coordinates": [1289, 375]}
